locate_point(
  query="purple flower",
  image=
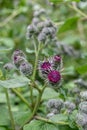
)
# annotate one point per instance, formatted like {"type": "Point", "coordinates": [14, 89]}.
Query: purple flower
{"type": "Point", "coordinates": [57, 61]}
{"type": "Point", "coordinates": [54, 76]}
{"type": "Point", "coordinates": [57, 58]}
{"type": "Point", "coordinates": [45, 65]}
{"type": "Point", "coordinates": [44, 68]}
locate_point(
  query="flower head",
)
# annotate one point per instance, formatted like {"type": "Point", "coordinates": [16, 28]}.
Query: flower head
{"type": "Point", "coordinates": [18, 53]}
{"type": "Point", "coordinates": [9, 66]}
{"type": "Point", "coordinates": [46, 65]}
{"type": "Point", "coordinates": [54, 76]}
{"type": "Point", "coordinates": [26, 68]}
{"type": "Point", "coordinates": [18, 57]}
{"type": "Point", "coordinates": [57, 61]}
{"type": "Point", "coordinates": [54, 105]}
{"type": "Point", "coordinates": [44, 68]}
{"type": "Point", "coordinates": [18, 60]}
{"type": "Point", "coordinates": [57, 58]}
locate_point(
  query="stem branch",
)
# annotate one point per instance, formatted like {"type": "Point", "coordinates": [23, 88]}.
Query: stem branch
{"type": "Point", "coordinates": [9, 108]}
{"type": "Point", "coordinates": [49, 121]}
{"type": "Point", "coordinates": [21, 97]}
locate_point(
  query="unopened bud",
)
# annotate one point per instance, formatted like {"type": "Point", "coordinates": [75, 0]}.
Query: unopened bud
{"type": "Point", "coordinates": [9, 66]}
{"type": "Point", "coordinates": [83, 95]}
{"type": "Point", "coordinates": [54, 105]}
{"type": "Point", "coordinates": [81, 119]}
{"type": "Point", "coordinates": [83, 107]}
{"type": "Point", "coordinates": [26, 68]}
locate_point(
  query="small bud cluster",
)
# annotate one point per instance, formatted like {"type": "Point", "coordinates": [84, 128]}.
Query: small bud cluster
{"type": "Point", "coordinates": [82, 112]}
{"type": "Point", "coordinates": [9, 66]}
{"type": "Point", "coordinates": [40, 29]}
{"type": "Point", "coordinates": [83, 95]}
{"type": "Point", "coordinates": [54, 106]}
{"type": "Point", "coordinates": [21, 63]}
{"type": "Point", "coordinates": [49, 69]}
{"type": "Point", "coordinates": [69, 106]}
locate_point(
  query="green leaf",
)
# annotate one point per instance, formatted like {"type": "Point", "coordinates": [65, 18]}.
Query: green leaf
{"type": "Point", "coordinates": [2, 98]}
{"type": "Point", "coordinates": [6, 45]}
{"type": "Point", "coordinates": [2, 128]}
{"type": "Point", "coordinates": [56, 1]}
{"type": "Point", "coordinates": [49, 93]}
{"type": "Point", "coordinates": [4, 116]}
{"type": "Point", "coordinates": [69, 71]}
{"type": "Point", "coordinates": [72, 119]}
{"type": "Point", "coordinates": [60, 1]}
{"type": "Point", "coordinates": [59, 118]}
{"type": "Point", "coordinates": [82, 69]}
{"type": "Point", "coordinates": [30, 51]}
{"type": "Point", "coordinates": [39, 125]}
{"type": "Point", "coordinates": [69, 24]}
{"type": "Point", "coordinates": [19, 81]}
{"type": "Point", "coordinates": [21, 117]}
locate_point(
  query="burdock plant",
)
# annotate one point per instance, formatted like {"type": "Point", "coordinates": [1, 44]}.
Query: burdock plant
{"type": "Point", "coordinates": [46, 72]}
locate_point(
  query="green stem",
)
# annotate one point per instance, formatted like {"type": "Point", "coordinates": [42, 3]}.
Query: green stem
{"type": "Point", "coordinates": [74, 7]}
{"type": "Point", "coordinates": [36, 62]}
{"type": "Point", "coordinates": [49, 121]}
{"type": "Point", "coordinates": [9, 18]}
{"type": "Point", "coordinates": [36, 106]}
{"type": "Point", "coordinates": [35, 86]}
{"type": "Point", "coordinates": [9, 108]}
{"type": "Point", "coordinates": [21, 97]}
{"type": "Point", "coordinates": [31, 94]}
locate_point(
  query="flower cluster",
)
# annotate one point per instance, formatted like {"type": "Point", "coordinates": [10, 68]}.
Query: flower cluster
{"type": "Point", "coordinates": [21, 63]}
{"type": "Point", "coordinates": [69, 106]}
{"type": "Point", "coordinates": [40, 29]}
{"type": "Point", "coordinates": [54, 106]}
{"type": "Point", "coordinates": [49, 69]}
{"type": "Point", "coordinates": [82, 113]}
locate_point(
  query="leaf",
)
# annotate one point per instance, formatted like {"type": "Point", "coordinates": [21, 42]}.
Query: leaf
{"type": "Point", "coordinates": [6, 45]}
{"type": "Point", "coordinates": [82, 69]}
{"type": "Point", "coordinates": [59, 118]}
{"type": "Point", "coordinates": [60, 1]}
{"type": "Point", "coordinates": [49, 93]}
{"type": "Point", "coordinates": [2, 128]}
{"type": "Point", "coordinates": [19, 81]}
{"type": "Point", "coordinates": [69, 24]}
{"type": "Point", "coordinates": [72, 119]}
{"type": "Point", "coordinates": [21, 117]}
{"type": "Point", "coordinates": [39, 125]}
{"type": "Point", "coordinates": [30, 51]}
{"type": "Point", "coordinates": [2, 98]}
{"type": "Point", "coordinates": [4, 116]}
{"type": "Point", "coordinates": [69, 71]}
{"type": "Point", "coordinates": [56, 1]}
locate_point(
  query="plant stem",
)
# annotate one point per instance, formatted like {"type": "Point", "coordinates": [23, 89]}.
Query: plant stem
{"type": "Point", "coordinates": [36, 62]}
{"type": "Point", "coordinates": [49, 121]}
{"type": "Point", "coordinates": [35, 66]}
{"type": "Point", "coordinates": [9, 18]}
{"type": "Point", "coordinates": [31, 95]}
{"type": "Point", "coordinates": [74, 7]}
{"type": "Point", "coordinates": [9, 108]}
{"type": "Point", "coordinates": [35, 86]}
{"type": "Point", "coordinates": [36, 106]}
{"type": "Point", "coordinates": [21, 97]}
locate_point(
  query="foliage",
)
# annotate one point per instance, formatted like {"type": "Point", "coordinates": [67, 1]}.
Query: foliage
{"type": "Point", "coordinates": [23, 97]}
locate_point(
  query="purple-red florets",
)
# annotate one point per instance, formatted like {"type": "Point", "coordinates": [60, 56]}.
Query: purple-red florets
{"type": "Point", "coordinates": [54, 76]}
{"type": "Point", "coordinates": [45, 65]}
{"type": "Point", "coordinates": [57, 58]}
